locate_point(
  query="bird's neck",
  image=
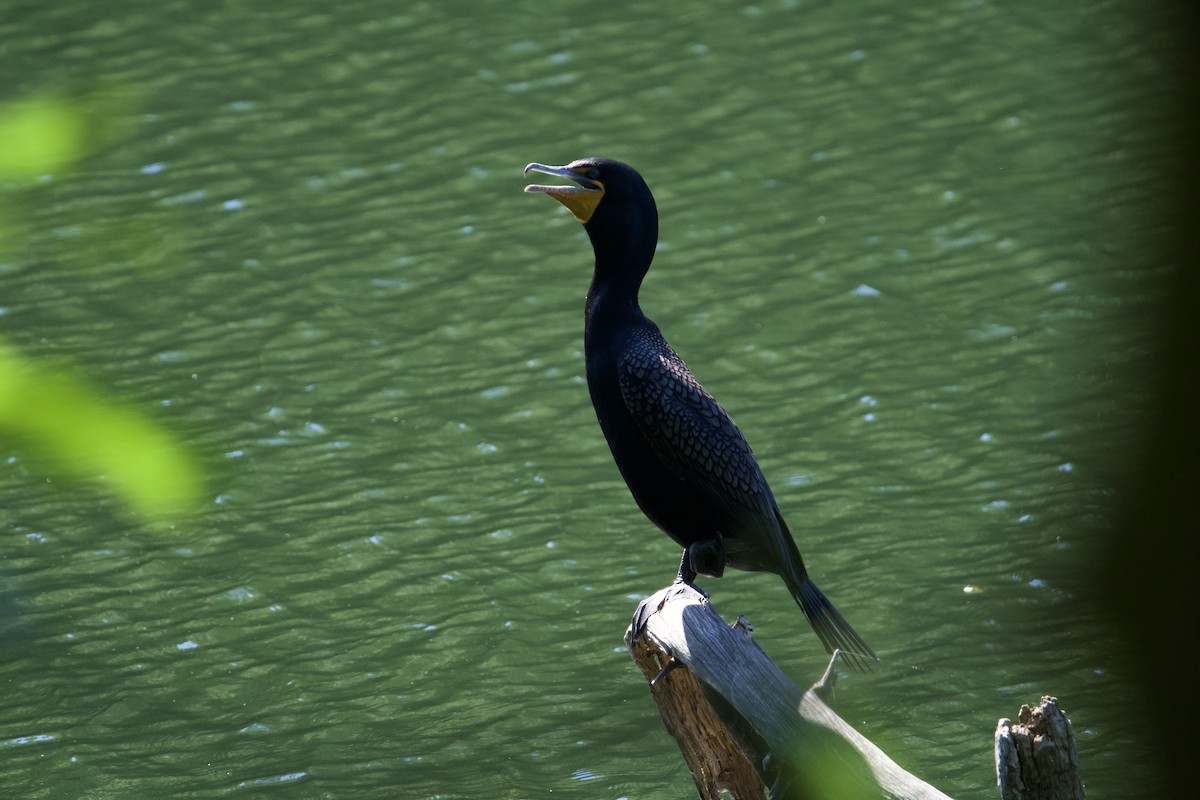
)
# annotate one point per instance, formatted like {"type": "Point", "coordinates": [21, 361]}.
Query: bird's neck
{"type": "Point", "coordinates": [623, 256]}
{"type": "Point", "coordinates": [611, 293]}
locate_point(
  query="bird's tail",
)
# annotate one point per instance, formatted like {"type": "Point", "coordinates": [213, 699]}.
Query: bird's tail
{"type": "Point", "coordinates": [830, 625]}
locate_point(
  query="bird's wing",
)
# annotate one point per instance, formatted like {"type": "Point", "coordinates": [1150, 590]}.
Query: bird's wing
{"type": "Point", "coordinates": [689, 431]}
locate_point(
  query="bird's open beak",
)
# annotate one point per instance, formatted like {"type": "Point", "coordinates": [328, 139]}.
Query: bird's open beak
{"type": "Point", "coordinates": [581, 200]}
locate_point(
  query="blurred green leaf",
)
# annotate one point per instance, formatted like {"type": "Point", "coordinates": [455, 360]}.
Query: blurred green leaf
{"type": "Point", "coordinates": [40, 136]}
{"type": "Point", "coordinates": [81, 434]}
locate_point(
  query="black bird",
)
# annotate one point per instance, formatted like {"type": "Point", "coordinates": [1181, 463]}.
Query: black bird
{"type": "Point", "coordinates": [688, 466]}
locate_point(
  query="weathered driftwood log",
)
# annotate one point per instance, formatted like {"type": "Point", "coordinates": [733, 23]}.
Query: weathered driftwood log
{"type": "Point", "coordinates": [741, 723]}
{"type": "Point", "coordinates": [1036, 758]}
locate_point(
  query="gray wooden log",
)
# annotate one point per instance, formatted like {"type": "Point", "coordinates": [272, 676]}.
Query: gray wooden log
{"type": "Point", "coordinates": [794, 742]}
{"type": "Point", "coordinates": [714, 758]}
{"type": "Point", "coordinates": [1036, 758]}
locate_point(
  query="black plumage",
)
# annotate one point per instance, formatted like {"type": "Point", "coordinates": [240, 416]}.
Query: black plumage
{"type": "Point", "coordinates": [686, 463]}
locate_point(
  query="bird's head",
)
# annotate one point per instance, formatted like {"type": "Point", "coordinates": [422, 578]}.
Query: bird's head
{"type": "Point", "coordinates": [600, 186]}
{"type": "Point", "coordinates": [616, 209]}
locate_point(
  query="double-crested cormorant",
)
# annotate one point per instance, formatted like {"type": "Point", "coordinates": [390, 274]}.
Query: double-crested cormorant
{"type": "Point", "coordinates": [686, 463]}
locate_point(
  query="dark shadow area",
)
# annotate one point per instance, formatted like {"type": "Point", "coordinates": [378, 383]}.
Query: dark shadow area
{"type": "Point", "coordinates": [1147, 581]}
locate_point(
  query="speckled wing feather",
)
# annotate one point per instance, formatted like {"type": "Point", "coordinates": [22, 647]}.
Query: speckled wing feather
{"type": "Point", "coordinates": [688, 430]}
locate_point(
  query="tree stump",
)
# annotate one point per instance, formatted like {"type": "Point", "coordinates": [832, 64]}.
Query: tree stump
{"type": "Point", "coordinates": [745, 728]}
{"type": "Point", "coordinates": [1036, 758]}
{"type": "Point", "coordinates": [715, 760]}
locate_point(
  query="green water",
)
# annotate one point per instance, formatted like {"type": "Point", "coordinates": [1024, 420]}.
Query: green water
{"type": "Point", "coordinates": [911, 249]}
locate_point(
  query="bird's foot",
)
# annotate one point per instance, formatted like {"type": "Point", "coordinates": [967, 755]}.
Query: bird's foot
{"type": "Point", "coordinates": [646, 609]}
{"type": "Point", "coordinates": [654, 603]}
{"type": "Point", "coordinates": [687, 575]}
{"type": "Point", "coordinates": [690, 584]}
{"type": "Point", "coordinates": [706, 557]}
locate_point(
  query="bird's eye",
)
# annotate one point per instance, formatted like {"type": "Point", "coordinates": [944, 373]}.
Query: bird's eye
{"type": "Point", "coordinates": [593, 173]}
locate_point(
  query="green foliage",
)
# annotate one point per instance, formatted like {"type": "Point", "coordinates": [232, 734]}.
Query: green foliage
{"type": "Point", "coordinates": [49, 134]}
{"type": "Point", "coordinates": [69, 427]}
{"type": "Point", "coordinates": [76, 431]}
{"type": "Point", "coordinates": [40, 136]}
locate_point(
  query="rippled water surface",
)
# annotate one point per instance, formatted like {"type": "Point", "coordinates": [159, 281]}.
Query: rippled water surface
{"type": "Point", "coordinates": [912, 250]}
